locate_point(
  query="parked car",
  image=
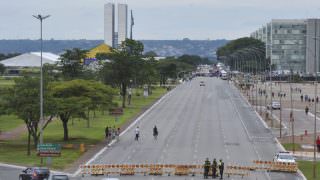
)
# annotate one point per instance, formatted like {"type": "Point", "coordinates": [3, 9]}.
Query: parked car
{"type": "Point", "coordinates": [58, 177]}
{"type": "Point", "coordinates": [35, 173]}
{"type": "Point", "coordinates": [274, 105]}
{"type": "Point", "coordinates": [202, 83]}
{"type": "Point", "coordinates": [285, 157]}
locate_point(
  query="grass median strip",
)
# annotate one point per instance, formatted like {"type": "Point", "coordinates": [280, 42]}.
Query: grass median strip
{"type": "Point", "coordinates": [15, 151]}
{"type": "Point", "coordinates": [307, 169]}
{"type": "Point", "coordinates": [9, 122]}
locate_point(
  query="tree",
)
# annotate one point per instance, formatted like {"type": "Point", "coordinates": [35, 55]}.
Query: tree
{"type": "Point", "coordinates": [2, 69]}
{"type": "Point", "coordinates": [71, 62]}
{"type": "Point", "coordinates": [123, 66]}
{"type": "Point", "coordinates": [23, 100]}
{"type": "Point", "coordinates": [102, 56]}
{"type": "Point", "coordinates": [74, 98]}
{"type": "Point", "coordinates": [238, 44]}
{"type": "Point", "coordinates": [150, 54]}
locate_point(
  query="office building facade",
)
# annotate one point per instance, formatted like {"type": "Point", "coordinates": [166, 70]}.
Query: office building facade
{"type": "Point", "coordinates": [122, 23]}
{"type": "Point", "coordinates": [290, 44]}
{"type": "Point", "coordinates": [109, 24]}
{"type": "Point", "coordinates": [114, 37]}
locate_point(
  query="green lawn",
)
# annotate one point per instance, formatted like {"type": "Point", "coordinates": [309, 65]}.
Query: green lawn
{"type": "Point", "coordinates": [9, 122]}
{"type": "Point", "coordinates": [307, 168]}
{"type": "Point", "coordinates": [6, 83]}
{"type": "Point", "coordinates": [289, 146]}
{"type": "Point", "coordinates": [15, 152]}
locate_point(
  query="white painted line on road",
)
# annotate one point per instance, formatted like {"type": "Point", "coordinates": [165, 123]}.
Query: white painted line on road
{"type": "Point", "coordinates": [238, 113]}
{"type": "Point", "coordinates": [126, 130]}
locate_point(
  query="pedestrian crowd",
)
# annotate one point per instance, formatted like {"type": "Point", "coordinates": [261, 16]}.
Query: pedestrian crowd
{"type": "Point", "coordinates": [215, 169]}
{"type": "Point", "coordinates": [112, 133]}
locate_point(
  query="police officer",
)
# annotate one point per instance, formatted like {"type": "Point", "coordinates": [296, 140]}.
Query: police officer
{"type": "Point", "coordinates": [221, 168]}
{"type": "Point", "coordinates": [214, 168]}
{"type": "Point", "coordinates": [206, 168]}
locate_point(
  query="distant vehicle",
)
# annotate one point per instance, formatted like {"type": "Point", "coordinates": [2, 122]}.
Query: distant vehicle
{"type": "Point", "coordinates": [110, 179]}
{"type": "Point", "coordinates": [202, 83]}
{"type": "Point", "coordinates": [35, 173]}
{"type": "Point", "coordinates": [284, 157]}
{"type": "Point", "coordinates": [224, 77]}
{"type": "Point", "coordinates": [274, 105]}
{"type": "Point", "coordinates": [58, 177]}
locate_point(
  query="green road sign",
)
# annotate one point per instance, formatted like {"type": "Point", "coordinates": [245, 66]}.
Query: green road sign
{"type": "Point", "coordinates": [49, 150]}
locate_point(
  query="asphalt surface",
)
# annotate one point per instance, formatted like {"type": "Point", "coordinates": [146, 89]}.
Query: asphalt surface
{"type": "Point", "coordinates": [196, 122]}
{"type": "Point", "coordinates": [302, 121]}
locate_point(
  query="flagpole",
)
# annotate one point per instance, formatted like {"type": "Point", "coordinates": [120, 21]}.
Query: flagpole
{"type": "Point", "coordinates": [131, 27]}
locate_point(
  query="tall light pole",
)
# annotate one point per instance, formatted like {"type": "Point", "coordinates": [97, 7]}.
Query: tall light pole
{"type": "Point", "coordinates": [315, 104]}
{"type": "Point", "coordinates": [41, 18]}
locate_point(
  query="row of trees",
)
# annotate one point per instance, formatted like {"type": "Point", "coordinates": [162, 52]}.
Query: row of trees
{"type": "Point", "coordinates": [71, 89]}
{"type": "Point", "coordinates": [248, 52]}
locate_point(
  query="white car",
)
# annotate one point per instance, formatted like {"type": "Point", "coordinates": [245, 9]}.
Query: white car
{"type": "Point", "coordinates": [58, 177]}
{"type": "Point", "coordinates": [274, 105]}
{"type": "Point", "coordinates": [284, 157]}
{"type": "Point", "coordinates": [202, 83]}
{"type": "Point", "coordinates": [110, 179]}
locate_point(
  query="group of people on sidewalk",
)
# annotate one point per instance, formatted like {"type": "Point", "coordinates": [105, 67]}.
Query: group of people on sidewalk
{"type": "Point", "coordinates": [112, 133]}
{"type": "Point", "coordinates": [216, 168]}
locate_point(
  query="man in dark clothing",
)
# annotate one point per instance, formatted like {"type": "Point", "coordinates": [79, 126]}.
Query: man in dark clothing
{"type": "Point", "coordinates": [301, 97]}
{"type": "Point", "coordinates": [206, 168]}
{"type": "Point", "coordinates": [155, 132]}
{"type": "Point", "coordinates": [221, 168]}
{"type": "Point", "coordinates": [307, 110]}
{"type": "Point", "coordinates": [214, 168]}
{"type": "Point", "coordinates": [106, 131]}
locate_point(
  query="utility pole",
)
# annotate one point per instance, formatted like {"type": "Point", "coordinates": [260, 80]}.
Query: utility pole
{"type": "Point", "coordinates": [291, 112]}
{"type": "Point", "coordinates": [280, 107]}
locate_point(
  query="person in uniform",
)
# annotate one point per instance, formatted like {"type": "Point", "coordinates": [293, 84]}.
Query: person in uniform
{"type": "Point", "coordinates": [206, 168]}
{"type": "Point", "coordinates": [214, 168]}
{"type": "Point", "coordinates": [221, 168]}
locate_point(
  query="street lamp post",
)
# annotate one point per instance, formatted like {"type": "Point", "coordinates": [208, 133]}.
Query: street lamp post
{"type": "Point", "coordinates": [41, 18]}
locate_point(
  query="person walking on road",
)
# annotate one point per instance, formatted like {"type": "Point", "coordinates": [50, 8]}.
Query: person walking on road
{"type": "Point", "coordinates": [137, 133]}
{"type": "Point", "coordinates": [206, 168]}
{"type": "Point", "coordinates": [214, 168]}
{"type": "Point", "coordinates": [106, 131]}
{"type": "Point", "coordinates": [307, 110]}
{"type": "Point", "coordinates": [318, 144]}
{"type": "Point", "coordinates": [221, 168]}
{"type": "Point", "coordinates": [155, 132]}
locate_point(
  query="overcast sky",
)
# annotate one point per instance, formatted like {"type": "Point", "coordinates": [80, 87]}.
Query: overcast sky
{"type": "Point", "coordinates": [154, 19]}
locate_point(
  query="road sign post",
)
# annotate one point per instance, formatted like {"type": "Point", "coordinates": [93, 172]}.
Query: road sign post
{"type": "Point", "coordinates": [116, 112]}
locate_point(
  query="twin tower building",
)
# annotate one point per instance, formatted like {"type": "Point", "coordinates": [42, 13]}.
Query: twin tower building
{"type": "Point", "coordinates": [115, 35]}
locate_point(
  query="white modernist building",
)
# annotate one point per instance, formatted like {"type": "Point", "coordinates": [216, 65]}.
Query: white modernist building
{"type": "Point", "coordinates": [114, 37]}
{"type": "Point", "coordinates": [292, 44]}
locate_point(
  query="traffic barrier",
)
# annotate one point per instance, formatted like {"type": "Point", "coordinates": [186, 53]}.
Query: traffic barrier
{"type": "Point", "coordinates": [182, 170]}
{"type": "Point", "coordinates": [277, 166]}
